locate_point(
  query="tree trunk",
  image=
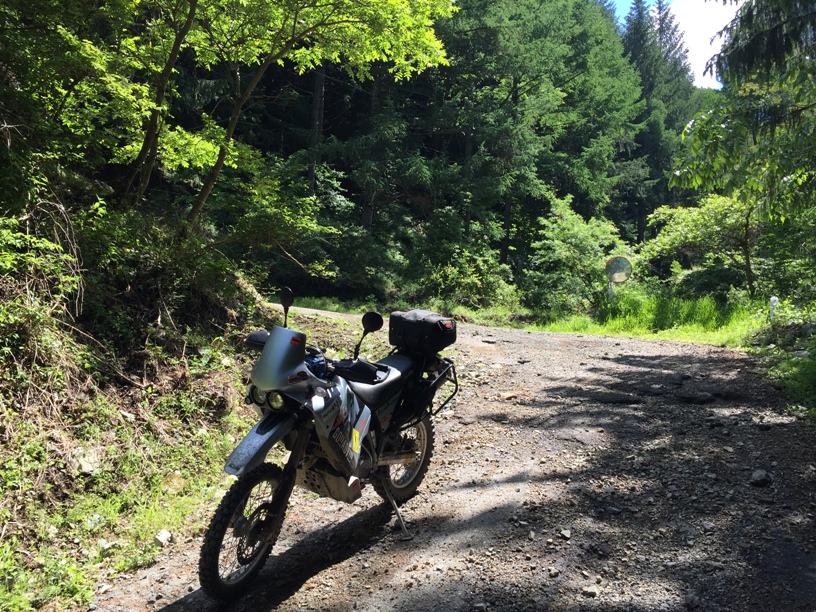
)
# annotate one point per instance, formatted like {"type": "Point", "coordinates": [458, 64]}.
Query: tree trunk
{"type": "Point", "coordinates": [746, 255]}
{"type": "Point", "coordinates": [237, 109]}
{"type": "Point", "coordinates": [504, 254]}
{"type": "Point", "coordinates": [318, 98]}
{"type": "Point", "coordinates": [147, 157]}
{"type": "Point", "coordinates": [468, 155]}
{"type": "Point", "coordinates": [508, 226]}
{"type": "Point", "coordinates": [640, 207]}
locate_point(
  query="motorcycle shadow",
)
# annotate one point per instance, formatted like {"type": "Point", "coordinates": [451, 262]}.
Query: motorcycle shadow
{"type": "Point", "coordinates": [311, 553]}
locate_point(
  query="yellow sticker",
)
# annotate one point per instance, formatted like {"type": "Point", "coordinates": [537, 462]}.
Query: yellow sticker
{"type": "Point", "coordinates": [355, 440]}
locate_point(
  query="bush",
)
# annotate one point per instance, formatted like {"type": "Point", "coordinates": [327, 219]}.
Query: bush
{"type": "Point", "coordinates": [37, 281]}
{"type": "Point", "coordinates": [566, 274]}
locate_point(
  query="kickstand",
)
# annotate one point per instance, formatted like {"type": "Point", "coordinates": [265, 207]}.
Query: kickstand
{"type": "Point", "coordinates": [405, 535]}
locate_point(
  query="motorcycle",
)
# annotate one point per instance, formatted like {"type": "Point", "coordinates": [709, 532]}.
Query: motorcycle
{"type": "Point", "coordinates": [345, 424]}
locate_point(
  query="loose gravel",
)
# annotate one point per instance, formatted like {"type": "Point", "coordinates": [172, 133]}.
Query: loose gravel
{"type": "Point", "coordinates": [570, 473]}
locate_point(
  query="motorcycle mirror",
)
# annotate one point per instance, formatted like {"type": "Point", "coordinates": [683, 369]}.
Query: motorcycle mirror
{"type": "Point", "coordinates": [287, 298]}
{"type": "Point", "coordinates": [372, 321]}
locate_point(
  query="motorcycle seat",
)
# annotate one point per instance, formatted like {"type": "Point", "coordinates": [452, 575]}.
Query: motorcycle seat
{"type": "Point", "coordinates": [400, 368]}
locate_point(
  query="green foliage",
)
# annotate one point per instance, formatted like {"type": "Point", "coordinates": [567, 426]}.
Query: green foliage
{"type": "Point", "coordinates": [766, 37]}
{"type": "Point", "coordinates": [253, 31]}
{"type": "Point", "coordinates": [37, 282]}
{"type": "Point", "coordinates": [654, 309]}
{"type": "Point", "coordinates": [59, 579]}
{"type": "Point", "coordinates": [758, 144]}
{"type": "Point", "coordinates": [473, 279]}
{"type": "Point", "coordinates": [656, 49]}
{"type": "Point", "coordinates": [82, 483]}
{"type": "Point", "coordinates": [787, 345]}
{"type": "Point", "coordinates": [648, 310]}
{"type": "Point", "coordinates": [720, 228]}
{"type": "Point", "coordinates": [759, 141]}
{"type": "Point", "coordinates": [566, 274]}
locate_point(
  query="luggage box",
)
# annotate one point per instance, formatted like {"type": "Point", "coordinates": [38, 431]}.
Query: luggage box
{"type": "Point", "coordinates": [421, 331]}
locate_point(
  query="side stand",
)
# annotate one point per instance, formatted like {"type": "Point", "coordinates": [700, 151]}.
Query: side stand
{"type": "Point", "coordinates": [405, 535]}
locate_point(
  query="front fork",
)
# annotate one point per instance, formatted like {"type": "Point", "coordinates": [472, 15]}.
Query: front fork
{"type": "Point", "coordinates": [275, 508]}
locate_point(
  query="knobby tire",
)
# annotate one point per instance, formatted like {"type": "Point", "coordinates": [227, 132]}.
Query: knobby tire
{"type": "Point", "coordinates": [231, 557]}
{"type": "Point", "coordinates": [404, 480]}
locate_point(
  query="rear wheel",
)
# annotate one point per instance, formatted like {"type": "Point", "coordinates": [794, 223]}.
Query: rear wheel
{"type": "Point", "coordinates": [241, 534]}
{"type": "Point", "coordinates": [403, 480]}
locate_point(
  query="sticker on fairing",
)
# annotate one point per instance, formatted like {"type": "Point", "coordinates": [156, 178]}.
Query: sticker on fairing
{"type": "Point", "coordinates": [355, 440]}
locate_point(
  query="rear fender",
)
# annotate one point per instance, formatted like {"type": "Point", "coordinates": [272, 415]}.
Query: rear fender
{"type": "Point", "coordinates": [252, 450]}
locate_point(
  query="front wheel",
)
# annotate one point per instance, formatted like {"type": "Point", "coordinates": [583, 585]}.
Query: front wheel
{"type": "Point", "coordinates": [242, 533]}
{"type": "Point", "coordinates": [403, 480]}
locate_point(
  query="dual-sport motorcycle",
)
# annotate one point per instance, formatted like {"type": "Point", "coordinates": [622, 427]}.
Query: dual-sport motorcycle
{"type": "Point", "coordinates": [345, 423]}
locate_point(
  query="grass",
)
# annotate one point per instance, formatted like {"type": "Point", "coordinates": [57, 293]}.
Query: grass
{"type": "Point", "coordinates": [335, 305]}
{"type": "Point", "coordinates": [107, 524]}
{"type": "Point", "coordinates": [700, 320]}
{"type": "Point", "coordinates": [88, 485]}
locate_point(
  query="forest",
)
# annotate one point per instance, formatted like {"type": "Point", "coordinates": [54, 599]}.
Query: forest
{"type": "Point", "coordinates": [164, 164]}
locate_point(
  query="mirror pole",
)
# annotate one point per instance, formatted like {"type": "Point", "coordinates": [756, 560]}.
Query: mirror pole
{"type": "Point", "coordinates": [359, 344]}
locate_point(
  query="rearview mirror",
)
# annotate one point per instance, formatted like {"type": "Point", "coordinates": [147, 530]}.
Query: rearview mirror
{"type": "Point", "coordinates": [372, 321]}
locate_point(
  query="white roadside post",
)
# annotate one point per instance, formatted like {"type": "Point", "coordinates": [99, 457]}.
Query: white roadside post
{"type": "Point", "coordinates": [774, 302]}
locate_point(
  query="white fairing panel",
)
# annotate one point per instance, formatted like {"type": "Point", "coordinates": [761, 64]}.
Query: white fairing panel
{"type": "Point", "coordinates": [282, 360]}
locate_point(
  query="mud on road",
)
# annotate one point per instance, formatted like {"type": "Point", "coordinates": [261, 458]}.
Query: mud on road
{"type": "Point", "coordinates": [570, 473]}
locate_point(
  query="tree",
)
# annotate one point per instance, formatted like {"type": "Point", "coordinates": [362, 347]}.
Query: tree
{"type": "Point", "coordinates": [766, 38]}
{"type": "Point", "coordinates": [166, 33]}
{"type": "Point", "coordinates": [655, 47]}
{"type": "Point", "coordinates": [720, 227]}
{"type": "Point", "coordinates": [566, 273]}
{"type": "Point", "coordinates": [241, 33]}
{"type": "Point", "coordinates": [761, 143]}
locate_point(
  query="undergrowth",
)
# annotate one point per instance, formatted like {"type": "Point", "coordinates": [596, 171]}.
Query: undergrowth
{"type": "Point", "coordinates": [104, 443]}
{"type": "Point", "coordinates": [787, 347]}
{"type": "Point", "coordinates": [89, 483]}
{"type": "Point", "coordinates": [87, 488]}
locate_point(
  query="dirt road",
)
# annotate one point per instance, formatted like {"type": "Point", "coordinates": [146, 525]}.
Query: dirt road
{"type": "Point", "coordinates": [571, 473]}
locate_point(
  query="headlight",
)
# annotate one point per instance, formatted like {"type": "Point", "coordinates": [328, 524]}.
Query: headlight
{"type": "Point", "coordinates": [274, 400]}
{"type": "Point", "coordinates": [256, 396]}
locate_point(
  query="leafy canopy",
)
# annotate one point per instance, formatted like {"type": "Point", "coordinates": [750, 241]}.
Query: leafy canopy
{"type": "Point", "coordinates": [307, 32]}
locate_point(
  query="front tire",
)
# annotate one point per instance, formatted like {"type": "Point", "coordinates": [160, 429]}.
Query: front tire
{"type": "Point", "coordinates": [403, 480]}
{"type": "Point", "coordinates": [233, 551]}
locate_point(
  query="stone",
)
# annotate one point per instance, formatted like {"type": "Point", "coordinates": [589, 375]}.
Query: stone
{"type": "Point", "coordinates": [86, 460]}
{"type": "Point", "coordinates": [696, 398]}
{"type": "Point", "coordinates": [566, 534]}
{"type": "Point", "coordinates": [761, 478]}
{"type": "Point", "coordinates": [591, 591]}
{"type": "Point", "coordinates": [692, 600]}
{"type": "Point", "coordinates": [173, 483]}
{"type": "Point", "coordinates": [163, 538]}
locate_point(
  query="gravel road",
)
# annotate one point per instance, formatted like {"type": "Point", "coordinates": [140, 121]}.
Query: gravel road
{"type": "Point", "coordinates": [570, 473]}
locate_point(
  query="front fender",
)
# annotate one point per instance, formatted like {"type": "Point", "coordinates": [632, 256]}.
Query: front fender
{"type": "Point", "coordinates": [252, 450]}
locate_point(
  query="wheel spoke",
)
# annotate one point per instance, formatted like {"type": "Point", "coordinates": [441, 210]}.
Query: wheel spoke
{"type": "Point", "coordinates": [241, 534]}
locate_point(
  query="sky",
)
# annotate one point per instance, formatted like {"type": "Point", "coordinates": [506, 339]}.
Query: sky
{"type": "Point", "coordinates": [700, 21]}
